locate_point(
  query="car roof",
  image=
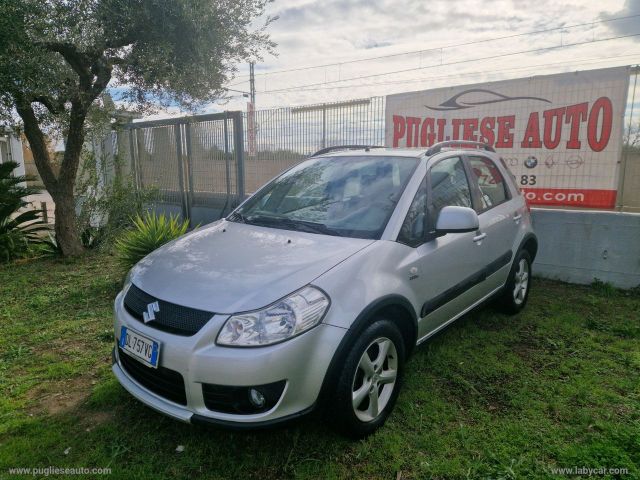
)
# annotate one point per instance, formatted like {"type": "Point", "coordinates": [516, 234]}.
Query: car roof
{"type": "Point", "coordinates": [457, 146]}
{"type": "Point", "coordinates": [420, 152]}
{"type": "Point", "coordinates": [377, 152]}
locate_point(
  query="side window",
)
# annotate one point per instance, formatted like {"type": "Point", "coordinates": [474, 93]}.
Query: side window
{"type": "Point", "coordinates": [449, 186]}
{"type": "Point", "coordinates": [493, 190]}
{"type": "Point", "coordinates": [412, 232]}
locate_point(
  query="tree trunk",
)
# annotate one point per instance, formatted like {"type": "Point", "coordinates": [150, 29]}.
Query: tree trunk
{"type": "Point", "coordinates": [61, 187]}
{"type": "Point", "coordinates": [67, 233]}
{"type": "Point", "coordinates": [66, 227]}
{"type": "Point", "coordinates": [94, 75]}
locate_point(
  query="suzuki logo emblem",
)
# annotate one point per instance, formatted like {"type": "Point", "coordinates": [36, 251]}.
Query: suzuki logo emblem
{"type": "Point", "coordinates": [150, 314]}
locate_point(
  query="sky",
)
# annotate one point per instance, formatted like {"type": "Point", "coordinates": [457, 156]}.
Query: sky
{"type": "Point", "coordinates": [453, 42]}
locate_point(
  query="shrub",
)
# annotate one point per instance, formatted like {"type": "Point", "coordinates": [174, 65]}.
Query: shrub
{"type": "Point", "coordinates": [107, 206]}
{"type": "Point", "coordinates": [17, 230]}
{"type": "Point", "coordinates": [150, 232]}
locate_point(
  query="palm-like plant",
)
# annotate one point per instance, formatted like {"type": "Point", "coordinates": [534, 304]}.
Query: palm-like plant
{"type": "Point", "coordinates": [17, 229]}
{"type": "Point", "coordinates": [149, 232]}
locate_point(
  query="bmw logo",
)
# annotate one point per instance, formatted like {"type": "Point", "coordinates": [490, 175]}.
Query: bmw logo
{"type": "Point", "coordinates": [531, 162]}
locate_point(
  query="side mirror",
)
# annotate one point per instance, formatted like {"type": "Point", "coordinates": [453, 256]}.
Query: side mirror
{"type": "Point", "coordinates": [457, 220]}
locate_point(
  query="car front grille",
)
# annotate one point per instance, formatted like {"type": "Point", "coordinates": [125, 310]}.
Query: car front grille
{"type": "Point", "coordinates": [169, 317]}
{"type": "Point", "coordinates": [162, 381]}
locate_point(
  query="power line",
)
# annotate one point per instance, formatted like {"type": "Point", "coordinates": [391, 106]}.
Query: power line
{"type": "Point", "coordinates": [584, 61]}
{"type": "Point", "coordinates": [413, 52]}
{"type": "Point", "coordinates": [457, 62]}
{"type": "Point", "coordinates": [244, 94]}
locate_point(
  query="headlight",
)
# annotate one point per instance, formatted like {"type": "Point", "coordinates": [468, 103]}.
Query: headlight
{"type": "Point", "coordinates": [285, 319]}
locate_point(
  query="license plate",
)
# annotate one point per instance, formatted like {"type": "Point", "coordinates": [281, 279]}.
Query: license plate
{"type": "Point", "coordinates": [140, 347]}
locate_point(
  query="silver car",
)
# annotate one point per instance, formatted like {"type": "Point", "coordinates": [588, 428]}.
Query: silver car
{"type": "Point", "coordinates": [315, 290]}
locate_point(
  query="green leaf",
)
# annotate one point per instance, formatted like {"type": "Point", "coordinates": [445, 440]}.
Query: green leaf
{"type": "Point", "coordinates": [150, 232]}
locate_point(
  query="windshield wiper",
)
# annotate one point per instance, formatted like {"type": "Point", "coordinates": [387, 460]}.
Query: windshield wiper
{"type": "Point", "coordinates": [314, 227]}
{"type": "Point", "coordinates": [237, 216]}
{"type": "Point", "coordinates": [300, 225]}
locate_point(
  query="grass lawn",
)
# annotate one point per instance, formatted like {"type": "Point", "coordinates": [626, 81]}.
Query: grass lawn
{"type": "Point", "coordinates": [491, 397]}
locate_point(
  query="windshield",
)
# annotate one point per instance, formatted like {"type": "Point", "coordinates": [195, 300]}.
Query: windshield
{"type": "Point", "coordinates": [344, 195]}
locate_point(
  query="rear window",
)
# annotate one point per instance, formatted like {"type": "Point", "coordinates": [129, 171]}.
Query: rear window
{"type": "Point", "coordinates": [493, 188]}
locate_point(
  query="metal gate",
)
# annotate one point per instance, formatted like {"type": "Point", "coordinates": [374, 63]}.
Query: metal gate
{"type": "Point", "coordinates": [196, 163]}
{"type": "Point", "coordinates": [204, 165]}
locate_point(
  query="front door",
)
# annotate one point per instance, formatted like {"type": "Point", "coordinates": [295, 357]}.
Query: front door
{"type": "Point", "coordinates": [446, 268]}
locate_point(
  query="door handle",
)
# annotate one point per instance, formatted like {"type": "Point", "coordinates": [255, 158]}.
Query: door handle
{"type": "Point", "coordinates": [479, 238]}
{"type": "Point", "coordinates": [516, 218]}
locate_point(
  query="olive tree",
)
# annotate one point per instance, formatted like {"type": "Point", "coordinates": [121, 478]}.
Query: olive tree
{"type": "Point", "coordinates": [57, 57]}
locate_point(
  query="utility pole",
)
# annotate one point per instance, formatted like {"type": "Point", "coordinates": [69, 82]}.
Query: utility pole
{"type": "Point", "coordinates": [252, 84]}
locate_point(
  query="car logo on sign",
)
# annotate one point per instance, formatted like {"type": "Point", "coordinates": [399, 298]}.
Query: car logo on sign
{"type": "Point", "coordinates": [150, 314]}
{"type": "Point", "coordinates": [477, 97]}
{"type": "Point", "coordinates": [531, 162]}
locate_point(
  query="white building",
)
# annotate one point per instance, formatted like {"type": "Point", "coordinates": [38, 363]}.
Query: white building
{"type": "Point", "coordinates": [11, 150]}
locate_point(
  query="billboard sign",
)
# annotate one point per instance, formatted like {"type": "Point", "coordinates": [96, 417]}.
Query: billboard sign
{"type": "Point", "coordinates": [561, 135]}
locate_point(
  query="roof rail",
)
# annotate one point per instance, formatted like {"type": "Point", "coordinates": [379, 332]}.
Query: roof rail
{"type": "Point", "coordinates": [344, 147]}
{"type": "Point", "coordinates": [460, 143]}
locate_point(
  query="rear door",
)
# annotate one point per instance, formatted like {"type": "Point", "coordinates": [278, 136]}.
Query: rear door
{"type": "Point", "coordinates": [498, 216]}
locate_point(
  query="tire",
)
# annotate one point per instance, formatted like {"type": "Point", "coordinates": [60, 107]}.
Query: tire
{"type": "Point", "coordinates": [516, 290]}
{"type": "Point", "coordinates": [378, 381]}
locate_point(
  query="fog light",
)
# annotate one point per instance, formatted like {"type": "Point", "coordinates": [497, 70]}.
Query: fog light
{"type": "Point", "coordinates": [256, 397]}
{"type": "Point", "coordinates": [245, 400]}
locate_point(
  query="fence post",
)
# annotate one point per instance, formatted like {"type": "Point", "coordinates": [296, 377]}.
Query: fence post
{"type": "Point", "coordinates": [238, 138]}
{"type": "Point", "coordinates": [227, 167]}
{"type": "Point", "coordinates": [133, 159]}
{"type": "Point", "coordinates": [183, 200]}
{"type": "Point", "coordinates": [324, 125]}
{"type": "Point", "coordinates": [189, 165]}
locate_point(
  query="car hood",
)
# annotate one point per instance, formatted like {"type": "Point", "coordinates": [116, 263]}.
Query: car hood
{"type": "Point", "coordinates": [229, 267]}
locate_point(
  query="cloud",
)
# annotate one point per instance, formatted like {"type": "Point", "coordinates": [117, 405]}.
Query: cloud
{"type": "Point", "coordinates": [335, 32]}
{"type": "Point", "coordinates": [369, 44]}
{"type": "Point", "coordinates": [627, 26]}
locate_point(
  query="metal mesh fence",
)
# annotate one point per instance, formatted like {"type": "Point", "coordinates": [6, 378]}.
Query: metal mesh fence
{"type": "Point", "coordinates": [213, 164]}
{"type": "Point", "coordinates": [195, 163]}
{"type": "Point", "coordinates": [107, 159]}
{"type": "Point", "coordinates": [279, 138]}
{"type": "Point", "coordinates": [204, 165]}
{"type": "Point", "coordinates": [156, 160]}
{"type": "Point", "coordinates": [629, 182]}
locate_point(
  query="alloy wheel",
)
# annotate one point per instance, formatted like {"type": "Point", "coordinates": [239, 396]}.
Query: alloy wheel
{"type": "Point", "coordinates": [374, 379]}
{"type": "Point", "coordinates": [521, 281]}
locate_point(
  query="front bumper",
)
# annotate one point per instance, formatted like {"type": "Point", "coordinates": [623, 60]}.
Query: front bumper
{"type": "Point", "coordinates": [302, 362]}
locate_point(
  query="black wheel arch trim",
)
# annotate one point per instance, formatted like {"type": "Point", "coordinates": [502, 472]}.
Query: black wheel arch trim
{"type": "Point", "coordinates": [525, 239]}
{"type": "Point", "coordinates": [362, 320]}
